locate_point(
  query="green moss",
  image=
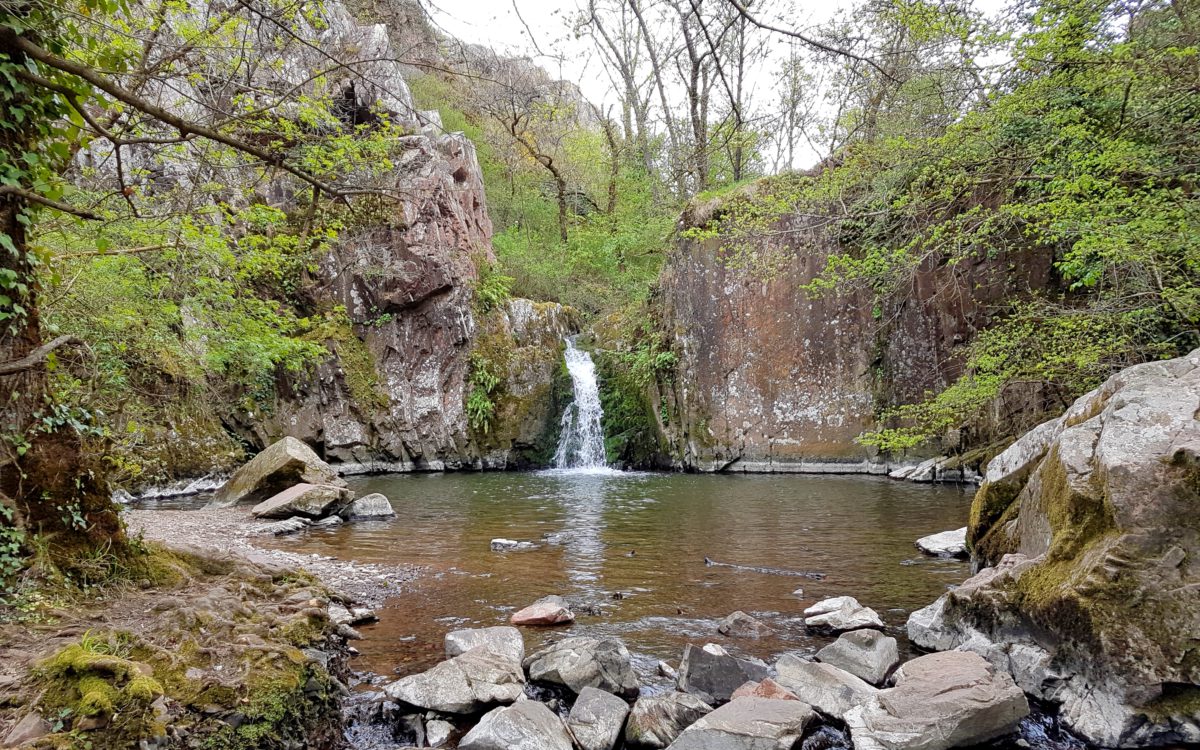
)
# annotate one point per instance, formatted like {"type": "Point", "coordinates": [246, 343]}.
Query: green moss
{"type": "Point", "coordinates": [303, 631]}
{"type": "Point", "coordinates": [96, 696]}
{"type": "Point", "coordinates": [631, 431]}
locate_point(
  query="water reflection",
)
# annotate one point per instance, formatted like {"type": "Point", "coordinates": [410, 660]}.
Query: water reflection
{"type": "Point", "coordinates": [630, 548]}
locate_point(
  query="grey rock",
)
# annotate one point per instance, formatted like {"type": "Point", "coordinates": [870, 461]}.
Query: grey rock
{"type": "Point", "coordinates": [866, 654]}
{"type": "Point", "coordinates": [329, 521]}
{"type": "Point", "coordinates": [308, 500]}
{"type": "Point", "coordinates": [741, 625]}
{"type": "Point", "coordinates": [840, 614]}
{"type": "Point", "coordinates": [437, 732]}
{"type": "Point", "coordinates": [656, 720]}
{"type": "Point", "coordinates": [577, 663]}
{"type": "Point", "coordinates": [279, 528]}
{"type": "Point", "coordinates": [940, 701]}
{"type": "Point", "coordinates": [340, 615]}
{"type": "Point", "coordinates": [713, 677]}
{"type": "Point", "coordinates": [465, 684]}
{"type": "Point", "coordinates": [748, 724]}
{"type": "Point", "coordinates": [31, 727]}
{"type": "Point", "coordinates": [1093, 513]}
{"type": "Point", "coordinates": [526, 725]}
{"type": "Point", "coordinates": [511, 545]}
{"type": "Point", "coordinates": [501, 640]}
{"type": "Point", "coordinates": [597, 719]}
{"type": "Point", "coordinates": [374, 505]}
{"type": "Point", "coordinates": [830, 690]}
{"type": "Point", "coordinates": [280, 465]}
{"type": "Point", "coordinates": [945, 543]}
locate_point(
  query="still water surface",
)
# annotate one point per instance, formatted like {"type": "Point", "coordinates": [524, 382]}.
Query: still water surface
{"type": "Point", "coordinates": [633, 547]}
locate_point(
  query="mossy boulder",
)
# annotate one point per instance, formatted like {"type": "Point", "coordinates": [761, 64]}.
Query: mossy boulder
{"type": "Point", "coordinates": [1090, 526]}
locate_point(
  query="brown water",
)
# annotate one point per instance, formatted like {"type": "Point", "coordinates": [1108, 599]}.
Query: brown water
{"type": "Point", "coordinates": [644, 538]}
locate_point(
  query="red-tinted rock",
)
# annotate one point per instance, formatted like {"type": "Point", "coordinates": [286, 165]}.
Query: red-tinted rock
{"type": "Point", "coordinates": [550, 610]}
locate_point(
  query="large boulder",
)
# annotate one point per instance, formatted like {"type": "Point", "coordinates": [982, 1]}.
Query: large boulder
{"type": "Point", "coordinates": [656, 720]}
{"type": "Point", "coordinates": [306, 500]}
{"type": "Point", "coordinates": [713, 675]}
{"type": "Point", "coordinates": [748, 724]}
{"type": "Point", "coordinates": [830, 690]}
{"type": "Point", "coordinates": [578, 663]}
{"type": "Point", "coordinates": [840, 614]}
{"type": "Point", "coordinates": [1090, 525]}
{"type": "Point", "coordinates": [374, 505]}
{"type": "Point", "coordinates": [526, 725]}
{"type": "Point", "coordinates": [866, 654]}
{"type": "Point", "coordinates": [280, 465]}
{"type": "Point", "coordinates": [465, 684]}
{"type": "Point", "coordinates": [549, 610]}
{"type": "Point", "coordinates": [503, 639]}
{"type": "Point", "coordinates": [945, 700]}
{"type": "Point", "coordinates": [597, 719]}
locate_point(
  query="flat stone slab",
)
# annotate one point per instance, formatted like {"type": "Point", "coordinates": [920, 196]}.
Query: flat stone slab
{"type": "Point", "coordinates": [502, 639]}
{"type": "Point", "coordinates": [307, 500]}
{"type": "Point", "coordinates": [945, 543]}
{"type": "Point", "coordinates": [748, 724]}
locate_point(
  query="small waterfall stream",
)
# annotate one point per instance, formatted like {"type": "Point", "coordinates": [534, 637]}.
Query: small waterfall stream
{"type": "Point", "coordinates": [581, 443]}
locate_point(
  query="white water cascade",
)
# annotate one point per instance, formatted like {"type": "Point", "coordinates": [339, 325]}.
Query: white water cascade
{"type": "Point", "coordinates": [581, 442]}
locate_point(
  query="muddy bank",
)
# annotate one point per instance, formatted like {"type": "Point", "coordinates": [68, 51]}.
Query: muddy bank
{"type": "Point", "coordinates": [175, 650]}
{"type": "Point", "coordinates": [228, 531]}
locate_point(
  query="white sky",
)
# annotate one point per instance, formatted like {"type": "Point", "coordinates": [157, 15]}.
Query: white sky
{"type": "Point", "coordinates": [496, 24]}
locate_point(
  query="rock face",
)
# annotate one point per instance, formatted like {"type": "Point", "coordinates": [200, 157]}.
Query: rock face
{"type": "Point", "coordinates": [579, 663]}
{"type": "Point", "coordinates": [866, 654]}
{"type": "Point", "coordinates": [279, 466]}
{"type": "Point", "coordinates": [549, 610]}
{"type": "Point", "coordinates": [830, 690]}
{"type": "Point", "coordinates": [840, 614]}
{"type": "Point", "coordinates": [940, 701]}
{"type": "Point", "coordinates": [499, 640]}
{"type": "Point", "coordinates": [741, 625]}
{"type": "Point", "coordinates": [308, 500]}
{"type": "Point", "coordinates": [1093, 599]}
{"type": "Point", "coordinates": [597, 719]}
{"type": "Point", "coordinates": [527, 725]}
{"type": "Point", "coordinates": [464, 684]}
{"type": "Point", "coordinates": [748, 724]}
{"type": "Point", "coordinates": [373, 505]}
{"type": "Point", "coordinates": [945, 543]}
{"type": "Point", "coordinates": [714, 676]}
{"type": "Point", "coordinates": [771, 378]}
{"type": "Point", "coordinates": [657, 720]}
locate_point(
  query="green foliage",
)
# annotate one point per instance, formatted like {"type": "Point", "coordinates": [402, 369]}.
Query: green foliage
{"type": "Point", "coordinates": [12, 540]}
{"type": "Point", "coordinates": [609, 260]}
{"type": "Point", "coordinates": [483, 381]}
{"type": "Point", "coordinates": [492, 287]}
{"type": "Point", "coordinates": [1084, 156]}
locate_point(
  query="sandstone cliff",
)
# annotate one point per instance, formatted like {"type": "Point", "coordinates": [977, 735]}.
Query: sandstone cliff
{"type": "Point", "coordinates": [771, 378]}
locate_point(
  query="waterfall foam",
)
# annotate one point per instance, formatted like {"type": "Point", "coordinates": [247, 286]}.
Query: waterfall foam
{"type": "Point", "coordinates": [581, 442]}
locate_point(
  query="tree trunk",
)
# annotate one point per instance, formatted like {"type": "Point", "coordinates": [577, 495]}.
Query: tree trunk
{"type": "Point", "coordinates": [44, 475]}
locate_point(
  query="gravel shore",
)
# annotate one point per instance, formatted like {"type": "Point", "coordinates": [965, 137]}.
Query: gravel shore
{"type": "Point", "coordinates": [230, 531]}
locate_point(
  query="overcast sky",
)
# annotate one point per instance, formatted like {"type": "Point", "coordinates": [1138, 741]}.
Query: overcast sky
{"type": "Point", "coordinates": [521, 27]}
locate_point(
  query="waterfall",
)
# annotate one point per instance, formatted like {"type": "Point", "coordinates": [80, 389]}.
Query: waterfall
{"type": "Point", "coordinates": [581, 443]}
